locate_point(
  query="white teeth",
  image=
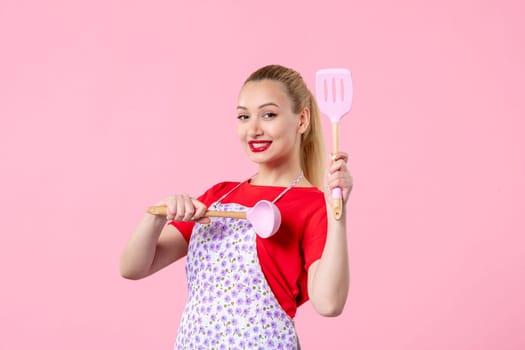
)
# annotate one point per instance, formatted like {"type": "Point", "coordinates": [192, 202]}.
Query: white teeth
{"type": "Point", "coordinates": [259, 145]}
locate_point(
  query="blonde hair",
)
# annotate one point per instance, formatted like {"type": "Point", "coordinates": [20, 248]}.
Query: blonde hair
{"type": "Point", "coordinates": [312, 143]}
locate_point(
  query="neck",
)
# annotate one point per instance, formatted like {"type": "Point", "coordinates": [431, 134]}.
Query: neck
{"type": "Point", "coordinates": [276, 176]}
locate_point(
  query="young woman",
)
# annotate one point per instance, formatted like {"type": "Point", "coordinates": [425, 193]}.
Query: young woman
{"type": "Point", "coordinates": [244, 290]}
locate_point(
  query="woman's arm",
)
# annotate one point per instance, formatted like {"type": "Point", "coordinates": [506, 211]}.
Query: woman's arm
{"type": "Point", "coordinates": [155, 245]}
{"type": "Point", "coordinates": [152, 246]}
{"type": "Point", "coordinates": [329, 277]}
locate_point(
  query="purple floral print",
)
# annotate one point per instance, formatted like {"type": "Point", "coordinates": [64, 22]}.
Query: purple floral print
{"type": "Point", "coordinates": [230, 305]}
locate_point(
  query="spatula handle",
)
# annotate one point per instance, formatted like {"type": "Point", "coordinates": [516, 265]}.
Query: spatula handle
{"type": "Point", "coordinates": [161, 210]}
{"type": "Point", "coordinates": [337, 196]}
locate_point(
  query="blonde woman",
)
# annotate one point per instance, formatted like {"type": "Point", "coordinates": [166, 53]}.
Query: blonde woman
{"type": "Point", "coordinates": [244, 290]}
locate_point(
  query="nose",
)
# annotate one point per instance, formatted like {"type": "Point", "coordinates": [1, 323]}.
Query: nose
{"type": "Point", "coordinates": [254, 128]}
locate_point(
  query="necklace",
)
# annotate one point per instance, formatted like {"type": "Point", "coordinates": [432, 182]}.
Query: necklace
{"type": "Point", "coordinates": [292, 184]}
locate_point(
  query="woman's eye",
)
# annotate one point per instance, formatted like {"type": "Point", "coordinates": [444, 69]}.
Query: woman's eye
{"type": "Point", "coordinates": [242, 117]}
{"type": "Point", "coordinates": [269, 115]}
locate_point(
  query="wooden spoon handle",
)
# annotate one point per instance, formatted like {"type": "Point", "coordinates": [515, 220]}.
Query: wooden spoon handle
{"type": "Point", "coordinates": [162, 211]}
{"type": "Point", "coordinates": [337, 204]}
{"type": "Point", "coordinates": [226, 214]}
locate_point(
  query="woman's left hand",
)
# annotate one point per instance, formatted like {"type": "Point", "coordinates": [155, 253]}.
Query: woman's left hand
{"type": "Point", "coordinates": [339, 176]}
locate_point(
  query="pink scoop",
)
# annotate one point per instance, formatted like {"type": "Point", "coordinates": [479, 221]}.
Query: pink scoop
{"type": "Point", "coordinates": [265, 217]}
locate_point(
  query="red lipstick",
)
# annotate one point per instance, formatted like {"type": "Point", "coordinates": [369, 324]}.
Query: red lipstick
{"type": "Point", "coordinates": [259, 145]}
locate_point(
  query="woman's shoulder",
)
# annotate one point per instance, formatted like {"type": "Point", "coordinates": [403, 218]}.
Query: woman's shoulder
{"type": "Point", "coordinates": [309, 190]}
{"type": "Point", "coordinates": [220, 187]}
{"type": "Point", "coordinates": [217, 190]}
{"type": "Point", "coordinates": [308, 194]}
{"type": "Point", "coordinates": [307, 202]}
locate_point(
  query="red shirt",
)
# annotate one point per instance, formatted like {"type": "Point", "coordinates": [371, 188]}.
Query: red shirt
{"type": "Point", "coordinates": [286, 256]}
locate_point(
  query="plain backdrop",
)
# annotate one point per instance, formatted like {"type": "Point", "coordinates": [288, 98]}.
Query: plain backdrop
{"type": "Point", "coordinates": [109, 106]}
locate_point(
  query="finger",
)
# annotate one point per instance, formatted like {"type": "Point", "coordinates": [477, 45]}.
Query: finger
{"type": "Point", "coordinates": [200, 209]}
{"type": "Point", "coordinates": [343, 184]}
{"type": "Point", "coordinates": [171, 208]}
{"type": "Point", "coordinates": [189, 209]}
{"type": "Point", "coordinates": [339, 156]}
{"type": "Point", "coordinates": [340, 179]}
{"type": "Point", "coordinates": [204, 220]}
{"type": "Point", "coordinates": [337, 166]}
{"type": "Point", "coordinates": [180, 207]}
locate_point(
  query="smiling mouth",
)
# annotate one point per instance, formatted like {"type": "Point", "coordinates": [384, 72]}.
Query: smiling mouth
{"type": "Point", "coordinates": [259, 146]}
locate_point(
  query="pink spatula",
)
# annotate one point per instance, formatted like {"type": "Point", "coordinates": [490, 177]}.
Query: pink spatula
{"type": "Point", "coordinates": [334, 97]}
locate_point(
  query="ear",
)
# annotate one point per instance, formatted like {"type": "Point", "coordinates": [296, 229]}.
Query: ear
{"type": "Point", "coordinates": [304, 120]}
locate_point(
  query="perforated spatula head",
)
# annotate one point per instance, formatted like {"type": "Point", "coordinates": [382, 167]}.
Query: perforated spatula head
{"type": "Point", "coordinates": [334, 92]}
{"type": "Point", "coordinates": [334, 97]}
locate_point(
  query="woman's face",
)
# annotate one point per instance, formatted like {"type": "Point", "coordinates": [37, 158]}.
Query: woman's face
{"type": "Point", "coordinates": [270, 132]}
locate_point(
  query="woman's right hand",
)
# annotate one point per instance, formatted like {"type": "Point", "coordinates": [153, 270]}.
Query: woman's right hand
{"type": "Point", "coordinates": [185, 208]}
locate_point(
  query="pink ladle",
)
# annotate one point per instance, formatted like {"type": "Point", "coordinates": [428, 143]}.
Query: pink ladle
{"type": "Point", "coordinates": [265, 217]}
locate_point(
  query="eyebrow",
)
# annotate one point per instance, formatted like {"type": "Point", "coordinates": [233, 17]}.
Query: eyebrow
{"type": "Point", "coordinates": [261, 106]}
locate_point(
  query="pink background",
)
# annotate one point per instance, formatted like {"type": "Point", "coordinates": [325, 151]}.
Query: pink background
{"type": "Point", "coordinates": [108, 106]}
